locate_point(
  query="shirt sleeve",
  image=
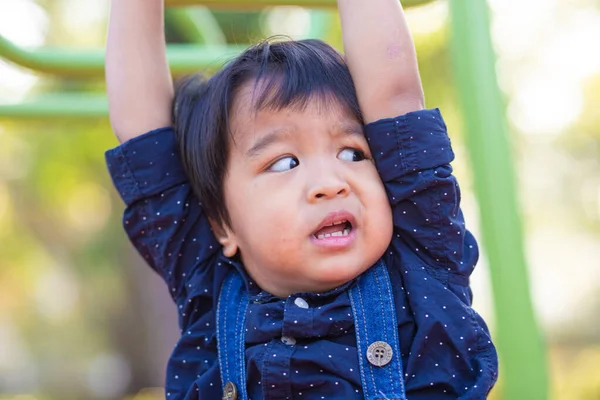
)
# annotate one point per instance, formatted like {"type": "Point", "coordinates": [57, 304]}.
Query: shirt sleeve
{"type": "Point", "coordinates": [163, 218]}
{"type": "Point", "coordinates": [413, 154]}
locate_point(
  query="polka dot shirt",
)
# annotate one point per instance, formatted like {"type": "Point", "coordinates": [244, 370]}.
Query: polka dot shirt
{"type": "Point", "coordinates": [304, 346]}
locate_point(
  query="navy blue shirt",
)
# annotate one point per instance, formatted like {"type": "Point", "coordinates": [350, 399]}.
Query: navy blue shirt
{"type": "Point", "coordinates": [446, 347]}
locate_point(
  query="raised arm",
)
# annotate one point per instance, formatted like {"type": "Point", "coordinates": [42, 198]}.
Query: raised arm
{"type": "Point", "coordinates": [381, 57]}
{"type": "Point", "coordinates": [138, 82]}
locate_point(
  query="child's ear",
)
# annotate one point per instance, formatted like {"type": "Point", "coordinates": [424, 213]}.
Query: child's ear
{"type": "Point", "coordinates": [226, 237]}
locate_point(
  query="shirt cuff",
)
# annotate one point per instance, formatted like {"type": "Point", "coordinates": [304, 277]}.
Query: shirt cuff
{"type": "Point", "coordinates": [412, 142]}
{"type": "Point", "coordinates": [145, 165]}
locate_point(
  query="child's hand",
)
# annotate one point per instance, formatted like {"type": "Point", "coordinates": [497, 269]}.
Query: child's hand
{"type": "Point", "coordinates": [381, 57]}
{"type": "Point", "coordinates": [138, 82]}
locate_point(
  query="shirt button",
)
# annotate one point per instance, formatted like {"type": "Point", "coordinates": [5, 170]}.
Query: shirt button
{"type": "Point", "coordinates": [230, 391]}
{"type": "Point", "coordinates": [290, 341]}
{"type": "Point", "coordinates": [379, 354]}
{"type": "Point", "coordinates": [300, 302]}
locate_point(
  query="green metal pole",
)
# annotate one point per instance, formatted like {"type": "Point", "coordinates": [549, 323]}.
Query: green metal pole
{"type": "Point", "coordinates": [197, 24]}
{"type": "Point", "coordinates": [58, 105]}
{"type": "Point", "coordinates": [253, 4]}
{"type": "Point", "coordinates": [521, 347]}
{"type": "Point", "coordinates": [184, 59]}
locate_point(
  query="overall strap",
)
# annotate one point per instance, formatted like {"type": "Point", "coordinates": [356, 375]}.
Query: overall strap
{"type": "Point", "coordinates": [377, 340]}
{"type": "Point", "coordinates": [231, 336]}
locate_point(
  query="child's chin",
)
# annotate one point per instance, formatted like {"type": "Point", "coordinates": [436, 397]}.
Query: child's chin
{"type": "Point", "coordinates": [332, 276]}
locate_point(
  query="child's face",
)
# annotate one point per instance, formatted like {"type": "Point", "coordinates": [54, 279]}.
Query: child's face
{"type": "Point", "coordinates": [290, 173]}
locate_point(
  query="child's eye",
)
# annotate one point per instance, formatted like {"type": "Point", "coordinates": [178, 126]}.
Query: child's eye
{"type": "Point", "coordinates": [351, 155]}
{"type": "Point", "coordinates": [284, 164]}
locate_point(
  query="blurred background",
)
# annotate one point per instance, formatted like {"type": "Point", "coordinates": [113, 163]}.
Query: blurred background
{"type": "Point", "coordinates": [81, 317]}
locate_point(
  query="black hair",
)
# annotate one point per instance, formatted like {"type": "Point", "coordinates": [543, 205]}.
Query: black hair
{"type": "Point", "coordinates": [290, 74]}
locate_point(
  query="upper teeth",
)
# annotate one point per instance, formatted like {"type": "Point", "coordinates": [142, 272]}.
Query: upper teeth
{"type": "Point", "coordinates": [346, 232]}
{"type": "Point", "coordinates": [337, 223]}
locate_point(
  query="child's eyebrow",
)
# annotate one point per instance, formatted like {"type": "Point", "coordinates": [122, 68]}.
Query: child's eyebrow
{"type": "Point", "coordinates": [281, 134]}
{"type": "Point", "coordinates": [266, 140]}
{"type": "Point", "coordinates": [349, 130]}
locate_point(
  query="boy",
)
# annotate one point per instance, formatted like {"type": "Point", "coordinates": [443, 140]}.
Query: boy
{"type": "Point", "coordinates": [309, 258]}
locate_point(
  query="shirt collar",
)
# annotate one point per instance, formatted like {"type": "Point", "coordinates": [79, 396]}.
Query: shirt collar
{"type": "Point", "coordinates": [262, 296]}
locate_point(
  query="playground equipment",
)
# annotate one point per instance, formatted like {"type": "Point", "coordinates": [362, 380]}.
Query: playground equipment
{"type": "Point", "coordinates": [522, 353]}
{"type": "Point", "coordinates": [248, 4]}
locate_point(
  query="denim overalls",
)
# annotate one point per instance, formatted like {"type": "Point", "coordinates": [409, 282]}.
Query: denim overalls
{"type": "Point", "coordinates": [376, 336]}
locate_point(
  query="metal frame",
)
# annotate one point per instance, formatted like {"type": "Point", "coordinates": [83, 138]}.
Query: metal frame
{"type": "Point", "coordinates": [183, 59]}
{"type": "Point", "coordinates": [520, 343]}
{"type": "Point", "coordinates": [253, 4]}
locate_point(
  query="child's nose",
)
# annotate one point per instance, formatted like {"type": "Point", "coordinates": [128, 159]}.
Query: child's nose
{"type": "Point", "coordinates": [328, 187]}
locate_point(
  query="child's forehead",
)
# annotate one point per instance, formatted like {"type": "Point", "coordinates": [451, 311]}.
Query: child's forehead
{"type": "Point", "coordinates": [251, 107]}
{"type": "Point", "coordinates": [291, 124]}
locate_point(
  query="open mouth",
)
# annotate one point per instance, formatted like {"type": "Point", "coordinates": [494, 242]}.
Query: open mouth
{"type": "Point", "coordinates": [335, 225]}
{"type": "Point", "coordinates": [336, 232]}
{"type": "Point", "coordinates": [334, 229]}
